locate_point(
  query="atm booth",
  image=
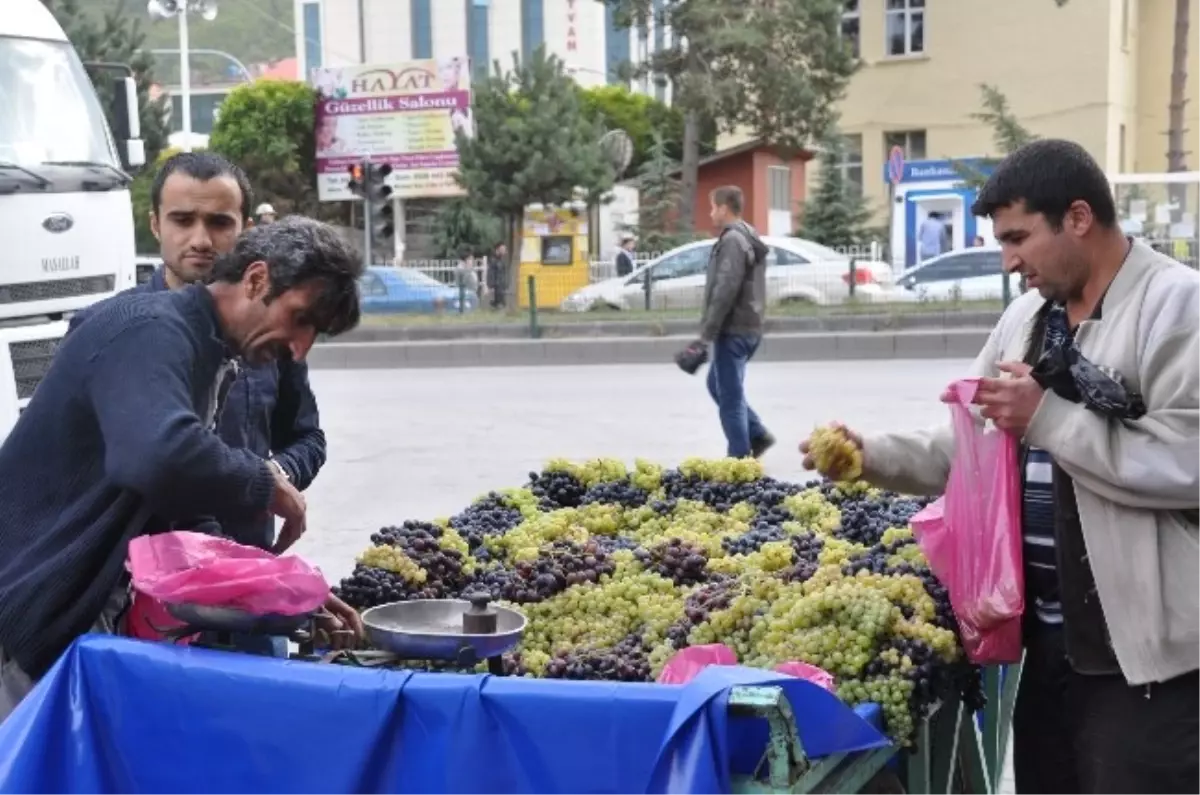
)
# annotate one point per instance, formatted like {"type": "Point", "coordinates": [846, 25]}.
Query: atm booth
{"type": "Point", "coordinates": [554, 250]}
{"type": "Point", "coordinates": [929, 186]}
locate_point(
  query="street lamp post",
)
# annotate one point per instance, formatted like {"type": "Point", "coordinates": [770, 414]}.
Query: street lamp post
{"type": "Point", "coordinates": [179, 9]}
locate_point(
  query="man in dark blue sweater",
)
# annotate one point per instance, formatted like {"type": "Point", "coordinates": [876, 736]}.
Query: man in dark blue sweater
{"type": "Point", "coordinates": [121, 429]}
{"type": "Point", "coordinates": [200, 203]}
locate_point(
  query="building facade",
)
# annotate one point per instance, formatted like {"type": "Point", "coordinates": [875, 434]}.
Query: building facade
{"type": "Point", "coordinates": [1094, 71]}
{"type": "Point", "coordinates": [583, 33]}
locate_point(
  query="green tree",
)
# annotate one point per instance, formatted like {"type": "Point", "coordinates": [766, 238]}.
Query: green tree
{"type": "Point", "coordinates": [113, 37]}
{"type": "Point", "coordinates": [658, 201]}
{"type": "Point", "coordinates": [774, 67]}
{"type": "Point", "coordinates": [533, 145]}
{"type": "Point", "coordinates": [460, 229]}
{"type": "Point", "coordinates": [836, 215]}
{"type": "Point", "coordinates": [139, 193]}
{"type": "Point", "coordinates": [640, 115]}
{"type": "Point", "coordinates": [1008, 134]}
{"type": "Point", "coordinates": [266, 127]}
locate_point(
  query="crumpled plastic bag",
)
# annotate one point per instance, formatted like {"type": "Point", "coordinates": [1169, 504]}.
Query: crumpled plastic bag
{"type": "Point", "coordinates": [685, 664]}
{"type": "Point", "coordinates": [193, 568]}
{"type": "Point", "coordinates": [972, 535]}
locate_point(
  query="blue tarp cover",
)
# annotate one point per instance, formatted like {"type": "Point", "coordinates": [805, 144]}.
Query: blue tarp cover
{"type": "Point", "coordinates": [119, 715]}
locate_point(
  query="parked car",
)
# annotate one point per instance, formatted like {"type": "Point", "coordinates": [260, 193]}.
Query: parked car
{"type": "Point", "coordinates": [145, 267]}
{"type": "Point", "coordinates": [387, 290]}
{"type": "Point", "coordinates": [972, 274]}
{"type": "Point", "coordinates": [798, 270]}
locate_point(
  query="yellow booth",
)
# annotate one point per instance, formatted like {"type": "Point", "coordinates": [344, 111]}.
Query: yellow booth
{"type": "Point", "coordinates": [554, 250]}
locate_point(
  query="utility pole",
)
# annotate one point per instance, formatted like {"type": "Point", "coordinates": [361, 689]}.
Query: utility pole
{"type": "Point", "coordinates": [362, 31]}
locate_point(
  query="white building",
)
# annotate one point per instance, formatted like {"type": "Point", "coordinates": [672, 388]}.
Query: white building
{"type": "Point", "coordinates": [580, 32]}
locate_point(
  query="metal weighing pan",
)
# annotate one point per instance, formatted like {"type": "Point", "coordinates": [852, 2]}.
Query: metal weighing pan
{"type": "Point", "coordinates": [229, 619]}
{"type": "Point", "coordinates": [432, 629]}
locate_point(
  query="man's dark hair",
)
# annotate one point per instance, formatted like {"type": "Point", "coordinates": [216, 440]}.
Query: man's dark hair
{"type": "Point", "coordinates": [1049, 175]}
{"type": "Point", "coordinates": [299, 251]}
{"type": "Point", "coordinates": [729, 196]}
{"type": "Point", "coordinates": [201, 166]}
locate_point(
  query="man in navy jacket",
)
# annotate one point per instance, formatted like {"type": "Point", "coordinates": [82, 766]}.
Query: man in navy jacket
{"type": "Point", "coordinates": [121, 430]}
{"type": "Point", "coordinates": [200, 203]}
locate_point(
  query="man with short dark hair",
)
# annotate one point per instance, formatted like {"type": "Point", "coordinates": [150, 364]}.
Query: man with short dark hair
{"type": "Point", "coordinates": [625, 262]}
{"type": "Point", "coordinates": [735, 297]}
{"type": "Point", "coordinates": [120, 432]}
{"type": "Point", "coordinates": [1097, 371]}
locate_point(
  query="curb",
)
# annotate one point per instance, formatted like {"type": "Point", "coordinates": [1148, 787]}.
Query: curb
{"type": "Point", "coordinates": [913, 344]}
{"type": "Point", "coordinates": [666, 328]}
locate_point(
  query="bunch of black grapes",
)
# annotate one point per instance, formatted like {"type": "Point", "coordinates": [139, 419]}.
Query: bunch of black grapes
{"type": "Point", "coordinates": [864, 520]}
{"type": "Point", "coordinates": [444, 575]}
{"type": "Point", "coordinates": [806, 552]}
{"type": "Point", "coordinates": [492, 515]}
{"type": "Point", "coordinates": [699, 605]}
{"type": "Point", "coordinates": [625, 662]}
{"type": "Point", "coordinates": [556, 490]}
{"type": "Point", "coordinates": [560, 566]}
{"type": "Point", "coordinates": [367, 587]}
{"type": "Point", "coordinates": [617, 492]}
{"type": "Point", "coordinates": [677, 560]}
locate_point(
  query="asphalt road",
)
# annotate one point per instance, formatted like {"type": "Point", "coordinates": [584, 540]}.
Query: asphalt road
{"type": "Point", "coordinates": [418, 444]}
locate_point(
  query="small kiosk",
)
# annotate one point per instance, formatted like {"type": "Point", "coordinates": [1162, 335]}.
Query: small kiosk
{"type": "Point", "coordinates": [554, 250]}
{"type": "Point", "coordinates": [929, 186]}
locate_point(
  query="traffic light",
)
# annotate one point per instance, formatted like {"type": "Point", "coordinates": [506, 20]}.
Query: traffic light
{"type": "Point", "coordinates": [368, 181]}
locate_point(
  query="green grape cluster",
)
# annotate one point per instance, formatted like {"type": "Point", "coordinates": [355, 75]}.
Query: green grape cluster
{"type": "Point", "coordinates": [834, 455]}
{"type": "Point", "coordinates": [390, 558]}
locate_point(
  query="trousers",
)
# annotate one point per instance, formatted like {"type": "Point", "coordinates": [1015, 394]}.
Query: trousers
{"type": "Point", "coordinates": [726, 384]}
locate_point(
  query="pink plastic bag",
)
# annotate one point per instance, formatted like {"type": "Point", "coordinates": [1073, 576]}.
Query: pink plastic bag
{"type": "Point", "coordinates": [193, 568]}
{"type": "Point", "coordinates": [686, 663]}
{"type": "Point", "coordinates": [972, 536]}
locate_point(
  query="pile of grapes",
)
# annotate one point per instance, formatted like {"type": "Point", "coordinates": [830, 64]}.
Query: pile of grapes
{"type": "Point", "coordinates": [617, 569]}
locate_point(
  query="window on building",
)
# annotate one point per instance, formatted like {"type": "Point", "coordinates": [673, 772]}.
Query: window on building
{"type": "Point", "coordinates": [851, 164]}
{"type": "Point", "coordinates": [850, 20]}
{"type": "Point", "coordinates": [533, 27]}
{"type": "Point", "coordinates": [422, 29]}
{"type": "Point", "coordinates": [779, 187]}
{"type": "Point", "coordinates": [617, 45]}
{"type": "Point", "coordinates": [477, 37]}
{"type": "Point", "coordinates": [911, 141]}
{"type": "Point", "coordinates": [905, 27]}
{"type": "Point", "coordinates": [312, 37]}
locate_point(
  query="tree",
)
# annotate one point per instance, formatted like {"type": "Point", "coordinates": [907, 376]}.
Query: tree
{"type": "Point", "coordinates": [113, 37]}
{"type": "Point", "coordinates": [266, 127]}
{"type": "Point", "coordinates": [533, 144]}
{"type": "Point", "coordinates": [836, 215]}
{"type": "Point", "coordinates": [640, 115]}
{"type": "Point", "coordinates": [775, 67]}
{"type": "Point", "coordinates": [460, 229]}
{"type": "Point", "coordinates": [139, 194]}
{"type": "Point", "coordinates": [658, 201]}
{"type": "Point", "coordinates": [1008, 134]}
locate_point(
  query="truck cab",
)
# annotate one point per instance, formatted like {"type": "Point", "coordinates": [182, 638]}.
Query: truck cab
{"type": "Point", "coordinates": [65, 210]}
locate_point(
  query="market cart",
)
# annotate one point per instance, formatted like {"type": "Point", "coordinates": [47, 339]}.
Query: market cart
{"type": "Point", "coordinates": [117, 715]}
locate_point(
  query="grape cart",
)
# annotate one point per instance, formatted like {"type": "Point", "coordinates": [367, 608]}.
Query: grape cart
{"type": "Point", "coordinates": [955, 751]}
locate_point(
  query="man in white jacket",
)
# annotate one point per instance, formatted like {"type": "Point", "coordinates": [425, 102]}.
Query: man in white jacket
{"type": "Point", "coordinates": [1109, 694]}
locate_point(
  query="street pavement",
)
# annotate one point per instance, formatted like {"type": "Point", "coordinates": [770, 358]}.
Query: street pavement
{"type": "Point", "coordinates": [418, 444]}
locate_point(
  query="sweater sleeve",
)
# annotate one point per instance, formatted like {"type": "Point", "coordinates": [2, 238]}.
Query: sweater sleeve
{"type": "Point", "coordinates": [139, 386]}
{"type": "Point", "coordinates": [1150, 462]}
{"type": "Point", "coordinates": [296, 435]}
{"type": "Point", "coordinates": [730, 259]}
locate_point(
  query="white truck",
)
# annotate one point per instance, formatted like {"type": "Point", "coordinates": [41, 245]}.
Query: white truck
{"type": "Point", "coordinates": [66, 218]}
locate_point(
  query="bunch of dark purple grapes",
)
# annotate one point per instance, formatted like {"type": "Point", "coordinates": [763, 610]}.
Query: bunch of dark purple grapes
{"type": "Point", "coordinates": [493, 515]}
{"type": "Point", "coordinates": [617, 492]}
{"type": "Point", "coordinates": [556, 490]}
{"type": "Point", "coordinates": [625, 662]}
{"type": "Point", "coordinates": [699, 605]}
{"type": "Point", "coordinates": [806, 552]}
{"type": "Point", "coordinates": [444, 575]}
{"type": "Point", "coordinates": [682, 562]}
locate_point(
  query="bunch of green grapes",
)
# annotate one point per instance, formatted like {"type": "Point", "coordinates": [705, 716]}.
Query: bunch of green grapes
{"type": "Point", "coordinates": [600, 519]}
{"type": "Point", "coordinates": [724, 470]}
{"type": "Point", "coordinates": [525, 541]}
{"type": "Point", "coordinates": [390, 558]}
{"type": "Point", "coordinates": [834, 455]}
{"type": "Point", "coordinates": [771, 558]}
{"type": "Point", "coordinates": [523, 500]}
{"type": "Point", "coordinates": [589, 473]}
{"type": "Point", "coordinates": [647, 476]}
{"type": "Point", "coordinates": [450, 539]}
{"type": "Point", "coordinates": [893, 693]}
{"type": "Point", "coordinates": [813, 512]}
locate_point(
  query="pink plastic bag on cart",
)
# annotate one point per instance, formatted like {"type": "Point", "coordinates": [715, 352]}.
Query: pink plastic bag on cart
{"type": "Point", "coordinates": [686, 663]}
{"type": "Point", "coordinates": [193, 568]}
{"type": "Point", "coordinates": [972, 536]}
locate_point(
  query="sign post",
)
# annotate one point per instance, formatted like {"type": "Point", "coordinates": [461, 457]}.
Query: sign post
{"type": "Point", "coordinates": [895, 168]}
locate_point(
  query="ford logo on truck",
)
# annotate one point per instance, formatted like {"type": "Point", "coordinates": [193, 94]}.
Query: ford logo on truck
{"type": "Point", "coordinates": [60, 264]}
{"type": "Point", "coordinates": [59, 222]}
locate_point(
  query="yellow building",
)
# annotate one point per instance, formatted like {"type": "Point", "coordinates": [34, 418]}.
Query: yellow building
{"type": "Point", "coordinates": [1095, 71]}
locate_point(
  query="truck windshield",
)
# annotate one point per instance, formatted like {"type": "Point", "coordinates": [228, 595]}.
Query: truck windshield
{"type": "Point", "coordinates": [50, 111]}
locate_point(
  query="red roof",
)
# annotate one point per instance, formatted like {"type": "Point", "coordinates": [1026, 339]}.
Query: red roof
{"type": "Point", "coordinates": [283, 69]}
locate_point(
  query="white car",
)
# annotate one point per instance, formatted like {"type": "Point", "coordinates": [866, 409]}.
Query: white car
{"type": "Point", "coordinates": [973, 274]}
{"type": "Point", "coordinates": [798, 270]}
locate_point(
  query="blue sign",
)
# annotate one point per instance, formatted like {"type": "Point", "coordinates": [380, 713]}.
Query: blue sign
{"type": "Point", "coordinates": [936, 170]}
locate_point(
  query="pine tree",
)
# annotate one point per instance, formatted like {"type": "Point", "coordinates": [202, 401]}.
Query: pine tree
{"type": "Point", "coordinates": [836, 215]}
{"type": "Point", "coordinates": [658, 201]}
{"type": "Point", "coordinates": [533, 144]}
{"type": "Point", "coordinates": [1008, 134]}
{"type": "Point", "coordinates": [460, 229]}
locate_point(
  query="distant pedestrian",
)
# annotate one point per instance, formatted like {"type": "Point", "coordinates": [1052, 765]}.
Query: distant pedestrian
{"type": "Point", "coordinates": [735, 293]}
{"type": "Point", "coordinates": [931, 236]}
{"type": "Point", "coordinates": [625, 256]}
{"type": "Point", "coordinates": [497, 275]}
{"type": "Point", "coordinates": [265, 214]}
